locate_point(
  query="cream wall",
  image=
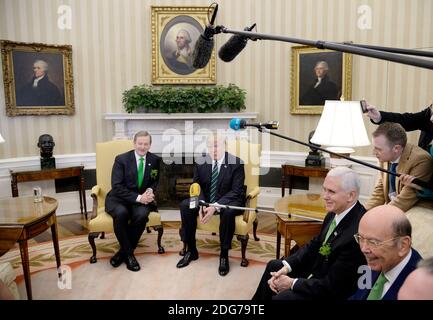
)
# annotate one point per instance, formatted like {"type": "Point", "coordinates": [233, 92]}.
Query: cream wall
{"type": "Point", "coordinates": [112, 52]}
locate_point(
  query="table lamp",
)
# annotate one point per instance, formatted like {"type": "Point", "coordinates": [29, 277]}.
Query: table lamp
{"type": "Point", "coordinates": [341, 128]}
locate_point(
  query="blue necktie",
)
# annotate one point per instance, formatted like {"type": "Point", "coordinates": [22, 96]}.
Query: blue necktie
{"type": "Point", "coordinates": [214, 181]}
{"type": "Point", "coordinates": [391, 178]}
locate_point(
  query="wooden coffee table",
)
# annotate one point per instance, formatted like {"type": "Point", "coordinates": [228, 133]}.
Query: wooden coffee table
{"type": "Point", "coordinates": [22, 219]}
{"type": "Point", "coordinates": [298, 229]}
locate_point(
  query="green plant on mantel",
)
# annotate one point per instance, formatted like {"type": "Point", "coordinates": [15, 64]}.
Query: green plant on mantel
{"type": "Point", "coordinates": [145, 98]}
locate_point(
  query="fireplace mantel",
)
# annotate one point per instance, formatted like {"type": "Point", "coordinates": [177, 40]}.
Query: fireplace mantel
{"type": "Point", "coordinates": [182, 125]}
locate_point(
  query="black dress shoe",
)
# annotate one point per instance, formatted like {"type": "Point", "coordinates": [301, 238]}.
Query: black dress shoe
{"type": "Point", "coordinates": [131, 263]}
{"type": "Point", "coordinates": [117, 259]}
{"type": "Point", "coordinates": [224, 267]}
{"type": "Point", "coordinates": [187, 258]}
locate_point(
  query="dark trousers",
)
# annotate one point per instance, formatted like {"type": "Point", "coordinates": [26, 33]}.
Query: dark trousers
{"type": "Point", "coordinates": [189, 225]}
{"type": "Point", "coordinates": [129, 223]}
{"type": "Point", "coordinates": [264, 292]}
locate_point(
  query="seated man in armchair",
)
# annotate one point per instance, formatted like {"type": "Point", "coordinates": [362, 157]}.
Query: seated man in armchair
{"type": "Point", "coordinates": [134, 180]}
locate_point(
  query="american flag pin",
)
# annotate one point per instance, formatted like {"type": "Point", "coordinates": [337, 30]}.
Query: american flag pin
{"type": "Point", "coordinates": [335, 233]}
{"type": "Point", "coordinates": [149, 164]}
{"type": "Point", "coordinates": [225, 166]}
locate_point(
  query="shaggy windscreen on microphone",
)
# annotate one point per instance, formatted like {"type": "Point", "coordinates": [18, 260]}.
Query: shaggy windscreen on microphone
{"type": "Point", "coordinates": [234, 46]}
{"type": "Point", "coordinates": [204, 45]}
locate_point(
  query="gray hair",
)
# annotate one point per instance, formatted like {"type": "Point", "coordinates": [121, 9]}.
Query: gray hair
{"type": "Point", "coordinates": [186, 35]}
{"type": "Point", "coordinates": [402, 227]}
{"type": "Point", "coordinates": [42, 63]}
{"type": "Point", "coordinates": [324, 63]}
{"type": "Point", "coordinates": [349, 178]}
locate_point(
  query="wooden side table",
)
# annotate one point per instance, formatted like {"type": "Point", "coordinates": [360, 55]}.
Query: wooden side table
{"type": "Point", "coordinates": [290, 170]}
{"type": "Point", "coordinates": [298, 229]}
{"type": "Point", "coordinates": [50, 174]}
{"type": "Point", "coordinates": [22, 219]}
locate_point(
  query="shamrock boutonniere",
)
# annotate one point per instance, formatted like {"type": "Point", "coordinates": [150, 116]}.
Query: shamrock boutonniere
{"type": "Point", "coordinates": [325, 250]}
{"type": "Point", "coordinates": [153, 173]}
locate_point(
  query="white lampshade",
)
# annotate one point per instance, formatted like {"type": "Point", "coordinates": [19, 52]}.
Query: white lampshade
{"type": "Point", "coordinates": [1, 139]}
{"type": "Point", "coordinates": [341, 125]}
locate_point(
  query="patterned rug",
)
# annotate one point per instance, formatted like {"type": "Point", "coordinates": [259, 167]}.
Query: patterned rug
{"type": "Point", "coordinates": [158, 278]}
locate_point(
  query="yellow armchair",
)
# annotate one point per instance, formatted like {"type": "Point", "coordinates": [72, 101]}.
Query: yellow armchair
{"type": "Point", "coordinates": [101, 222]}
{"type": "Point", "coordinates": [250, 154]}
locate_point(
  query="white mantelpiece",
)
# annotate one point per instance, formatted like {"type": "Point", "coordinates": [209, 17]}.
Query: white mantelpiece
{"type": "Point", "coordinates": [174, 128]}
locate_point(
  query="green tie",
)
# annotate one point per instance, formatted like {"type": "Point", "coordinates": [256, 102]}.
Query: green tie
{"type": "Point", "coordinates": [377, 290]}
{"type": "Point", "coordinates": [330, 230]}
{"type": "Point", "coordinates": [140, 172]}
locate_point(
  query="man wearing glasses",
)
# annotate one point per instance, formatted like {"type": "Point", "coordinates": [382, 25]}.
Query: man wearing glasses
{"type": "Point", "coordinates": [385, 240]}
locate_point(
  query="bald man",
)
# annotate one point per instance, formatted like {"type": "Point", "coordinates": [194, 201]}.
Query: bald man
{"type": "Point", "coordinates": [384, 236]}
{"type": "Point", "coordinates": [419, 284]}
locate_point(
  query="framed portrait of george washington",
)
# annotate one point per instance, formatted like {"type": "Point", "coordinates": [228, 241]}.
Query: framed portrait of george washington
{"type": "Point", "coordinates": [37, 78]}
{"type": "Point", "coordinates": [318, 75]}
{"type": "Point", "coordinates": [175, 31]}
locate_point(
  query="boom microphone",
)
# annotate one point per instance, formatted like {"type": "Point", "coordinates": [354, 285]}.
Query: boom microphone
{"type": "Point", "coordinates": [204, 45]}
{"type": "Point", "coordinates": [234, 46]}
{"type": "Point", "coordinates": [194, 193]}
{"type": "Point", "coordinates": [238, 124]}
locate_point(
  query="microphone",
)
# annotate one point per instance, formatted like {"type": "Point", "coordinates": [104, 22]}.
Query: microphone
{"type": "Point", "coordinates": [202, 203]}
{"type": "Point", "coordinates": [194, 193]}
{"type": "Point", "coordinates": [238, 124]}
{"type": "Point", "coordinates": [234, 46]}
{"type": "Point", "coordinates": [204, 45]}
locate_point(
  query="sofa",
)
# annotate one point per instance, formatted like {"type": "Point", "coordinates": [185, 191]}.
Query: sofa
{"type": "Point", "coordinates": [421, 220]}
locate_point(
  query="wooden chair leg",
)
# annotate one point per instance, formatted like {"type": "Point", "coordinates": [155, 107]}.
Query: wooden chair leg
{"type": "Point", "coordinates": [244, 243]}
{"type": "Point", "coordinates": [255, 224]}
{"type": "Point", "coordinates": [148, 230]}
{"type": "Point", "coordinates": [160, 231]}
{"type": "Point", "coordinates": [91, 238]}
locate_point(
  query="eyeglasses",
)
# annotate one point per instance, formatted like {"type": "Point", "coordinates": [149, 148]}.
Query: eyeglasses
{"type": "Point", "coordinates": [371, 242]}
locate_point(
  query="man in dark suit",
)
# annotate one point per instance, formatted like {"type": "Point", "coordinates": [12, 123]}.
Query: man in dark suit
{"type": "Point", "coordinates": [422, 120]}
{"type": "Point", "coordinates": [385, 239]}
{"type": "Point", "coordinates": [322, 89]}
{"type": "Point", "coordinates": [40, 91]}
{"type": "Point", "coordinates": [134, 180]}
{"type": "Point", "coordinates": [326, 267]}
{"type": "Point", "coordinates": [221, 178]}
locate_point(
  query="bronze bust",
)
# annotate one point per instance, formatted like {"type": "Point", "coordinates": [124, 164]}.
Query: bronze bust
{"type": "Point", "coordinates": [46, 144]}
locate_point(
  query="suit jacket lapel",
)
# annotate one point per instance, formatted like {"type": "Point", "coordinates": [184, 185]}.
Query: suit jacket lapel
{"type": "Point", "coordinates": [147, 169]}
{"type": "Point", "coordinates": [222, 171]}
{"type": "Point", "coordinates": [402, 165]}
{"type": "Point", "coordinates": [134, 169]}
{"type": "Point", "coordinates": [342, 225]}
